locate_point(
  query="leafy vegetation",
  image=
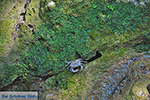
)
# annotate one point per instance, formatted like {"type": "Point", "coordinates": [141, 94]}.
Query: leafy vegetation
{"type": "Point", "coordinates": [67, 31]}
{"type": "Point", "coordinates": [124, 17]}
{"type": "Point", "coordinates": [142, 48]}
{"type": "Point", "coordinates": [145, 45]}
{"type": "Point", "coordinates": [2, 38]}
{"type": "Point", "coordinates": [65, 34]}
{"type": "Point", "coordinates": [12, 71]}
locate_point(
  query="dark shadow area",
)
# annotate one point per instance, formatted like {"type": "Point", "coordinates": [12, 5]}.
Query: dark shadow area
{"type": "Point", "coordinates": [98, 55]}
{"type": "Point", "coordinates": [148, 88]}
{"type": "Point", "coordinates": [33, 10]}
{"type": "Point", "coordinates": [31, 26]}
{"type": "Point", "coordinates": [22, 14]}
{"type": "Point", "coordinates": [41, 38]}
{"type": "Point", "coordinates": [91, 38]}
{"type": "Point", "coordinates": [27, 3]}
{"type": "Point", "coordinates": [33, 32]}
{"type": "Point", "coordinates": [73, 33]}
{"type": "Point", "coordinates": [78, 55]}
{"type": "Point", "coordinates": [75, 68]}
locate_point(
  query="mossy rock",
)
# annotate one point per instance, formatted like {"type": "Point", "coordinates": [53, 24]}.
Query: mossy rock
{"type": "Point", "coordinates": [139, 90]}
{"type": "Point", "coordinates": [10, 14]}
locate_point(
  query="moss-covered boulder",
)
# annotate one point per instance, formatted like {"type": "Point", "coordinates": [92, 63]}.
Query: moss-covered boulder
{"type": "Point", "coordinates": [139, 90]}
{"type": "Point", "coordinates": [13, 41]}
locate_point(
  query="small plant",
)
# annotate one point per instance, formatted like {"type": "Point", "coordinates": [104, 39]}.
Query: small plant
{"type": "Point", "coordinates": [111, 7]}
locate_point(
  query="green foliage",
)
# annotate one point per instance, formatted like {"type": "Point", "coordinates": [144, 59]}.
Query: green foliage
{"type": "Point", "coordinates": [145, 45]}
{"type": "Point", "coordinates": [11, 72]}
{"type": "Point", "coordinates": [3, 38]}
{"type": "Point", "coordinates": [37, 59]}
{"type": "Point", "coordinates": [57, 39]}
{"type": "Point", "coordinates": [50, 82]}
{"type": "Point", "coordinates": [4, 31]}
{"type": "Point", "coordinates": [65, 34]}
{"type": "Point", "coordinates": [2, 3]}
{"type": "Point", "coordinates": [59, 80]}
{"type": "Point", "coordinates": [124, 17]}
{"type": "Point", "coordinates": [111, 7]}
{"type": "Point", "coordinates": [142, 48]}
{"type": "Point", "coordinates": [62, 34]}
{"type": "Point", "coordinates": [147, 36]}
{"type": "Point", "coordinates": [62, 42]}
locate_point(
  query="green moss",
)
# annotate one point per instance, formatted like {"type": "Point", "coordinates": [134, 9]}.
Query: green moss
{"type": "Point", "coordinates": [138, 90]}
{"type": "Point", "coordinates": [62, 34]}
{"type": "Point", "coordinates": [105, 39]}
{"type": "Point", "coordinates": [142, 48]}
{"type": "Point", "coordinates": [10, 14]}
{"type": "Point", "coordinates": [65, 30]}
{"type": "Point", "coordinates": [13, 71]}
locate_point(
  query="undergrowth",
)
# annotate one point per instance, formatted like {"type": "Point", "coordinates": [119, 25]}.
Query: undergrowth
{"type": "Point", "coordinates": [63, 33]}
{"type": "Point", "coordinates": [144, 46]}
